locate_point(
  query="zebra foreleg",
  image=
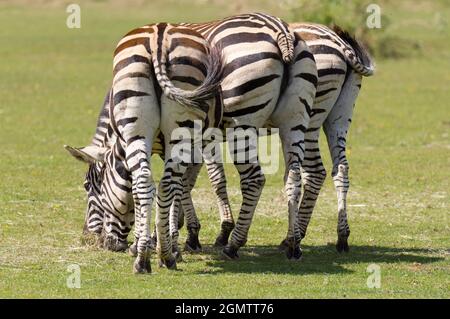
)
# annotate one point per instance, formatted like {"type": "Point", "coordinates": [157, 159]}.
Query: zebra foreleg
{"type": "Point", "coordinates": [119, 213]}
{"type": "Point", "coordinates": [115, 233]}
{"type": "Point", "coordinates": [184, 207]}
{"type": "Point", "coordinates": [178, 214]}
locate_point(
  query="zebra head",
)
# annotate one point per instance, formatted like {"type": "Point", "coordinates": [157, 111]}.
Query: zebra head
{"type": "Point", "coordinates": [94, 157]}
{"type": "Point", "coordinates": [110, 206]}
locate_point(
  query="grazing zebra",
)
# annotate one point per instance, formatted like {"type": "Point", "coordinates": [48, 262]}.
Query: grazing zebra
{"type": "Point", "coordinates": [254, 76]}
{"type": "Point", "coordinates": [255, 49]}
{"type": "Point", "coordinates": [341, 63]}
{"type": "Point", "coordinates": [135, 111]}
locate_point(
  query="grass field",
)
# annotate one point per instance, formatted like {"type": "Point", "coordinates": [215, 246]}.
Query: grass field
{"type": "Point", "coordinates": [52, 82]}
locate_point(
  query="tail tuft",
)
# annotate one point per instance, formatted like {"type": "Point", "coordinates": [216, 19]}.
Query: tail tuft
{"type": "Point", "coordinates": [362, 62]}
{"type": "Point", "coordinates": [286, 44]}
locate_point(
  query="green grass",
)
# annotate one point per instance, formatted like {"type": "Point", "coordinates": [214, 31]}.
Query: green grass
{"type": "Point", "coordinates": [52, 84]}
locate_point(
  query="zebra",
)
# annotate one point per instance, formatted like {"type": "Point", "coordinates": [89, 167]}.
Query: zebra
{"type": "Point", "coordinates": [137, 111]}
{"type": "Point", "coordinates": [334, 111]}
{"type": "Point", "coordinates": [256, 85]}
{"type": "Point", "coordinates": [256, 51]}
{"type": "Point", "coordinates": [341, 63]}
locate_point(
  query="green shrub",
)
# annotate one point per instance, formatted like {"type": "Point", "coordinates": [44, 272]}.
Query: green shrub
{"type": "Point", "coordinates": [352, 17]}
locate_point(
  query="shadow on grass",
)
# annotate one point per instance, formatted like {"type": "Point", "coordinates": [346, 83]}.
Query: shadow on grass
{"type": "Point", "coordinates": [316, 259]}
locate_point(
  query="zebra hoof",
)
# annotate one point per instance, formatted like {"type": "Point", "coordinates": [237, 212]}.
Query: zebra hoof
{"type": "Point", "coordinates": [230, 252]}
{"type": "Point", "coordinates": [293, 252]}
{"type": "Point", "coordinates": [114, 244]}
{"type": "Point", "coordinates": [342, 245]}
{"type": "Point", "coordinates": [192, 247]}
{"type": "Point", "coordinates": [222, 239]}
{"type": "Point", "coordinates": [178, 256]}
{"type": "Point", "coordinates": [142, 266]}
{"type": "Point", "coordinates": [283, 245]}
{"type": "Point", "coordinates": [192, 243]}
{"type": "Point", "coordinates": [132, 250]}
{"type": "Point", "coordinates": [168, 263]}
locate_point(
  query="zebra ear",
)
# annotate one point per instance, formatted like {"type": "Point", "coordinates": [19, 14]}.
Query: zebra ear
{"type": "Point", "coordinates": [88, 154]}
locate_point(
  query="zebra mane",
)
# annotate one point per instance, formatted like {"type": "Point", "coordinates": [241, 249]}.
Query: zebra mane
{"type": "Point", "coordinates": [100, 137]}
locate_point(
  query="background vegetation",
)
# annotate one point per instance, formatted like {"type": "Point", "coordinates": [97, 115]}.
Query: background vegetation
{"type": "Point", "coordinates": [52, 82]}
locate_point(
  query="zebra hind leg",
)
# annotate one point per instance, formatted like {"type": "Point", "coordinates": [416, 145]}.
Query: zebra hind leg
{"type": "Point", "coordinates": [292, 117]}
{"type": "Point", "coordinates": [192, 242]}
{"type": "Point", "coordinates": [313, 177]}
{"type": "Point", "coordinates": [187, 209]}
{"type": "Point", "coordinates": [143, 190]}
{"type": "Point", "coordinates": [216, 174]}
{"type": "Point", "coordinates": [132, 250]}
{"type": "Point", "coordinates": [292, 138]}
{"type": "Point", "coordinates": [293, 190]}
{"type": "Point", "coordinates": [341, 182]}
{"type": "Point", "coordinates": [252, 184]}
{"type": "Point", "coordinates": [312, 182]}
{"type": "Point", "coordinates": [143, 193]}
{"type": "Point", "coordinates": [226, 227]}
{"type": "Point", "coordinates": [336, 127]}
{"type": "Point", "coordinates": [174, 229]}
{"type": "Point", "coordinates": [169, 191]}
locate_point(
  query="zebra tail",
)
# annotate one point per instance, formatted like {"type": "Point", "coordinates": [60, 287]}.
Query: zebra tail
{"type": "Point", "coordinates": [190, 98]}
{"type": "Point", "coordinates": [360, 60]}
{"type": "Point", "coordinates": [286, 45]}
